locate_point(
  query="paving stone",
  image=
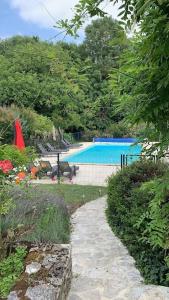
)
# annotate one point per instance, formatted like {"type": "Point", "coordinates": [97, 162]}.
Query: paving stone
{"type": "Point", "coordinates": [102, 266]}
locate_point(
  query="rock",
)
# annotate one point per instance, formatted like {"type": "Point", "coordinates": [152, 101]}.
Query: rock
{"type": "Point", "coordinates": [49, 260]}
{"type": "Point", "coordinates": [54, 277]}
{"type": "Point", "coordinates": [13, 296]}
{"type": "Point", "coordinates": [32, 268]}
{"type": "Point", "coordinates": [42, 292]}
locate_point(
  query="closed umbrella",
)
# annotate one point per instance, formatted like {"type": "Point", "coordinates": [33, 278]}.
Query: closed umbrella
{"type": "Point", "coordinates": [19, 140]}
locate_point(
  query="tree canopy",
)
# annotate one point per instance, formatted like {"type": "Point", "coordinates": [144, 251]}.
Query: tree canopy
{"type": "Point", "coordinates": [144, 85]}
{"type": "Point", "coordinates": [66, 82]}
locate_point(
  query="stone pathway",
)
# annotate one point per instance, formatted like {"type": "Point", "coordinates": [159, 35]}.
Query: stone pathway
{"type": "Point", "coordinates": [102, 267]}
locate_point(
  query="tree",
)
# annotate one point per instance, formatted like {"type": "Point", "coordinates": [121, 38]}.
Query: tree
{"type": "Point", "coordinates": [44, 77]}
{"type": "Point", "coordinates": [149, 93]}
{"type": "Point", "coordinates": [104, 41]}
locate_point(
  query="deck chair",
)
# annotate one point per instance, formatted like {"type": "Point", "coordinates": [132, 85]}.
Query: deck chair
{"type": "Point", "coordinates": [53, 149]}
{"type": "Point", "coordinates": [64, 167]}
{"type": "Point", "coordinates": [71, 145]}
{"type": "Point", "coordinates": [47, 169]}
{"type": "Point", "coordinates": [65, 143]}
{"type": "Point", "coordinates": [45, 152]}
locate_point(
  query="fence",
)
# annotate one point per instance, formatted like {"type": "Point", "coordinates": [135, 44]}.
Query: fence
{"type": "Point", "coordinates": [127, 159]}
{"type": "Point", "coordinates": [91, 173]}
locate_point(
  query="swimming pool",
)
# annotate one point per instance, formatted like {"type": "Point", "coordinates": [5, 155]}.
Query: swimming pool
{"type": "Point", "coordinates": [104, 153]}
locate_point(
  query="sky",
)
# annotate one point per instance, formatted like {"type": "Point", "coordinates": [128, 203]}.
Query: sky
{"type": "Point", "coordinates": [38, 17]}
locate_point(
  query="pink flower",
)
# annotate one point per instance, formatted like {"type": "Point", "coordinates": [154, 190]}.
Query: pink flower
{"type": "Point", "coordinates": [6, 166]}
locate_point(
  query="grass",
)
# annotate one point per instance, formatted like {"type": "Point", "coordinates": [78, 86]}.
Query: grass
{"type": "Point", "coordinates": [42, 213]}
{"type": "Point", "coordinates": [39, 214]}
{"type": "Point", "coordinates": [76, 194]}
{"type": "Point", "coordinates": [53, 226]}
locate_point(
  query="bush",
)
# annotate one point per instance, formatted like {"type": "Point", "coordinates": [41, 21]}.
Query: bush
{"type": "Point", "coordinates": [33, 124]}
{"type": "Point", "coordinates": [118, 130]}
{"type": "Point", "coordinates": [88, 135]}
{"type": "Point", "coordinates": [17, 157]}
{"type": "Point", "coordinates": [5, 199]}
{"type": "Point", "coordinates": [10, 270]}
{"type": "Point", "coordinates": [127, 203]}
{"type": "Point", "coordinates": [42, 215]}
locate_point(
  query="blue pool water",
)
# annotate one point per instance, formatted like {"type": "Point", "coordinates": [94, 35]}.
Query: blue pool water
{"type": "Point", "coordinates": [104, 153]}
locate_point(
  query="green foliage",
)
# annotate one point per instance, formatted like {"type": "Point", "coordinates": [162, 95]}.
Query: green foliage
{"type": "Point", "coordinates": [104, 41]}
{"type": "Point", "coordinates": [17, 157]}
{"type": "Point", "coordinates": [33, 124]}
{"type": "Point", "coordinates": [119, 130]}
{"type": "Point", "coordinates": [42, 215]}
{"type": "Point", "coordinates": [64, 82]}
{"type": "Point", "coordinates": [156, 231]}
{"type": "Point", "coordinates": [76, 194]}
{"type": "Point", "coordinates": [10, 270]}
{"type": "Point", "coordinates": [53, 225]}
{"type": "Point", "coordinates": [138, 215]}
{"type": "Point", "coordinates": [6, 202]}
{"type": "Point", "coordinates": [43, 77]}
{"type": "Point", "coordinates": [142, 81]}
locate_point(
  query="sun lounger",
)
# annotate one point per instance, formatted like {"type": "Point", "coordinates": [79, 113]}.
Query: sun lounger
{"type": "Point", "coordinates": [53, 149]}
{"type": "Point", "coordinates": [65, 170]}
{"type": "Point", "coordinates": [65, 143]}
{"type": "Point", "coordinates": [69, 145]}
{"type": "Point", "coordinates": [45, 152]}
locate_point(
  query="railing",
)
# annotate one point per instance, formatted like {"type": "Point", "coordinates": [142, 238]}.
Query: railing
{"type": "Point", "coordinates": [125, 158]}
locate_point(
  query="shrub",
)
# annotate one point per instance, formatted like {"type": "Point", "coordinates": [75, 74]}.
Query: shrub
{"type": "Point", "coordinates": [127, 203]}
{"type": "Point", "coordinates": [118, 130]}
{"type": "Point", "coordinates": [5, 199]}
{"type": "Point", "coordinates": [88, 135]}
{"type": "Point", "coordinates": [44, 213]}
{"type": "Point", "coordinates": [17, 157]}
{"type": "Point", "coordinates": [33, 124]}
{"type": "Point", "coordinates": [10, 270]}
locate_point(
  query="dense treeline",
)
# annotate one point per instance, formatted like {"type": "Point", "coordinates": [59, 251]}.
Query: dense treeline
{"type": "Point", "coordinates": [65, 82]}
{"type": "Point", "coordinates": [142, 83]}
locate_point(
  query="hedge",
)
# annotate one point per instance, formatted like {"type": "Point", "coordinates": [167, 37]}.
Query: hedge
{"type": "Point", "coordinates": [128, 215]}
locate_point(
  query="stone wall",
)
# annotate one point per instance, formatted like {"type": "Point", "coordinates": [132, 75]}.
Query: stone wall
{"type": "Point", "coordinates": [47, 275]}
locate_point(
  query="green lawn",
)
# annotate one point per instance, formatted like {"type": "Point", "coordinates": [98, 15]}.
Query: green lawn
{"type": "Point", "coordinates": [76, 194]}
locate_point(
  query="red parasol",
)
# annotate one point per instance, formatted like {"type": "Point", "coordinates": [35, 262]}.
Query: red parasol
{"type": "Point", "coordinates": [19, 140]}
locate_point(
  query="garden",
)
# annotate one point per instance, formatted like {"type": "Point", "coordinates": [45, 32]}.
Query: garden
{"type": "Point", "coordinates": [110, 85]}
{"type": "Point", "coordinates": [32, 214]}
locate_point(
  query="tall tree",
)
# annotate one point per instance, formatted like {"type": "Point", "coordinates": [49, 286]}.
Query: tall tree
{"type": "Point", "coordinates": [150, 92]}
{"type": "Point", "coordinates": [104, 41]}
{"type": "Point", "coordinates": [44, 77]}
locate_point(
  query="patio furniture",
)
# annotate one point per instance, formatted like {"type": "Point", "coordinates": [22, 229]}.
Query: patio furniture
{"type": "Point", "coordinates": [66, 144]}
{"type": "Point", "coordinates": [45, 152]}
{"type": "Point", "coordinates": [53, 149]}
{"type": "Point", "coordinates": [71, 145]}
{"type": "Point", "coordinates": [64, 170]}
{"type": "Point", "coordinates": [64, 167]}
{"type": "Point", "coordinates": [46, 169]}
